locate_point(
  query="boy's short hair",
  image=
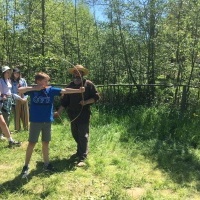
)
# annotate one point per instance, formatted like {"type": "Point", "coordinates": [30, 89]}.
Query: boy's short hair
{"type": "Point", "coordinates": [40, 76]}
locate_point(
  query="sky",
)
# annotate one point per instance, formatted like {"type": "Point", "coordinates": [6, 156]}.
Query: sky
{"type": "Point", "coordinates": [98, 10]}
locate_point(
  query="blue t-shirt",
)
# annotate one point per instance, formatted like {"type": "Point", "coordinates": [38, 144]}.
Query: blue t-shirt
{"type": "Point", "coordinates": [41, 104]}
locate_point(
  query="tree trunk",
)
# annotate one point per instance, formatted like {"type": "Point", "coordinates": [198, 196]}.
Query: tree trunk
{"type": "Point", "coordinates": [151, 53]}
{"type": "Point", "coordinates": [77, 32]}
{"type": "Point", "coordinates": [43, 29]}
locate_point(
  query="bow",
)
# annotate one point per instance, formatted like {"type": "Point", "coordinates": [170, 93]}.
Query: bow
{"type": "Point", "coordinates": [81, 96]}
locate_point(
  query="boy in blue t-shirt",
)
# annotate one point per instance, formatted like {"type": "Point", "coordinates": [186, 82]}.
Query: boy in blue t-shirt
{"type": "Point", "coordinates": [41, 116]}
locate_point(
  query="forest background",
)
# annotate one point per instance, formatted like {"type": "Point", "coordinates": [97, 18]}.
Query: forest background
{"type": "Point", "coordinates": [137, 52]}
{"type": "Point", "coordinates": [150, 49]}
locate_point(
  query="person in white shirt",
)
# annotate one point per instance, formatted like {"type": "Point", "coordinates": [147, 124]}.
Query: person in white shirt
{"type": "Point", "coordinates": [21, 109]}
{"type": "Point", "coordinates": [6, 106]}
{"type": "Point", "coordinates": [6, 95]}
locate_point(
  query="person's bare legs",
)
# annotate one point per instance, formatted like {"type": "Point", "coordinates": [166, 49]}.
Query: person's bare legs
{"type": "Point", "coordinates": [29, 152]}
{"type": "Point", "coordinates": [45, 152]}
{"type": "Point", "coordinates": [6, 132]}
{"type": "Point", "coordinates": [4, 127]}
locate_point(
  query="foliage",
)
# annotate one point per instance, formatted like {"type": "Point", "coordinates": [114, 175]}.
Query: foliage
{"type": "Point", "coordinates": [137, 42]}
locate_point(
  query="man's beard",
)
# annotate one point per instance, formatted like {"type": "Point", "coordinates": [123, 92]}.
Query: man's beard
{"type": "Point", "coordinates": [77, 80]}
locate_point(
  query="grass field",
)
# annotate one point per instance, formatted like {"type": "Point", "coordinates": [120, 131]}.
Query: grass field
{"type": "Point", "coordinates": [127, 160]}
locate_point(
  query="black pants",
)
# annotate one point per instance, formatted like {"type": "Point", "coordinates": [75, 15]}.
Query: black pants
{"type": "Point", "coordinates": [80, 133]}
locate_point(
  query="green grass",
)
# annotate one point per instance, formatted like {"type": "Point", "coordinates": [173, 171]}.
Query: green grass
{"type": "Point", "coordinates": [136, 153]}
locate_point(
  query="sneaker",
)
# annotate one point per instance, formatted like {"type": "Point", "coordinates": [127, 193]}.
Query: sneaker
{"type": "Point", "coordinates": [2, 137]}
{"type": "Point", "coordinates": [49, 168]}
{"type": "Point", "coordinates": [14, 143]}
{"type": "Point", "coordinates": [81, 163]}
{"type": "Point", "coordinates": [25, 171]}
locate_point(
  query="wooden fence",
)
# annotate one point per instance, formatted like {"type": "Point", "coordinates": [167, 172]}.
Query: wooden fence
{"type": "Point", "coordinates": [119, 94]}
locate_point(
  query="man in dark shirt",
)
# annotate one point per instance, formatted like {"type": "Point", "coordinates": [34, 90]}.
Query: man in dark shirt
{"type": "Point", "coordinates": [78, 109]}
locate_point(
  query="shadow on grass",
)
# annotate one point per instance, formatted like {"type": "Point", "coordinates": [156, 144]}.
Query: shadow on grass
{"type": "Point", "coordinates": [166, 136]}
{"type": "Point", "coordinates": [177, 160]}
{"type": "Point", "coordinates": [18, 182]}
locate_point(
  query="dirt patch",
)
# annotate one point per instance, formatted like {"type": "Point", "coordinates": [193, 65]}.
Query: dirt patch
{"type": "Point", "coordinates": [136, 193]}
{"type": "Point", "coordinates": [5, 167]}
{"type": "Point", "coordinates": [24, 145]}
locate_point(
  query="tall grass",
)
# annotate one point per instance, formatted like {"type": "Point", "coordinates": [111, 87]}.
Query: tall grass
{"type": "Point", "coordinates": [135, 153]}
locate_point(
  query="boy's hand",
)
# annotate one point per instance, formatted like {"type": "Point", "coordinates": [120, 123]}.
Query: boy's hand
{"type": "Point", "coordinates": [82, 89]}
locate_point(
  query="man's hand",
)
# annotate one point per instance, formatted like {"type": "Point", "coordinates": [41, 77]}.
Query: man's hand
{"type": "Point", "coordinates": [82, 102]}
{"type": "Point", "coordinates": [56, 115]}
{"type": "Point", "coordinates": [58, 112]}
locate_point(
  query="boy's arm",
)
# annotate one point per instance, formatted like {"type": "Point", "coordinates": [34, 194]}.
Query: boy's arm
{"type": "Point", "coordinates": [22, 90]}
{"type": "Point", "coordinates": [71, 91]}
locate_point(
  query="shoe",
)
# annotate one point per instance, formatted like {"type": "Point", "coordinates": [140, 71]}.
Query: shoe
{"type": "Point", "coordinates": [14, 143]}
{"type": "Point", "coordinates": [2, 137]}
{"type": "Point", "coordinates": [25, 171]}
{"type": "Point", "coordinates": [49, 168]}
{"type": "Point", "coordinates": [81, 163]}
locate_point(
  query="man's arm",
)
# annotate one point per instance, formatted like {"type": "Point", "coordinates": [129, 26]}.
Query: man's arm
{"type": "Point", "coordinates": [89, 101]}
{"type": "Point", "coordinates": [58, 112]}
{"type": "Point", "coordinates": [94, 95]}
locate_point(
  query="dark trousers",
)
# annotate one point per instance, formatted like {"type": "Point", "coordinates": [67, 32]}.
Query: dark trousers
{"type": "Point", "coordinates": [80, 133]}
